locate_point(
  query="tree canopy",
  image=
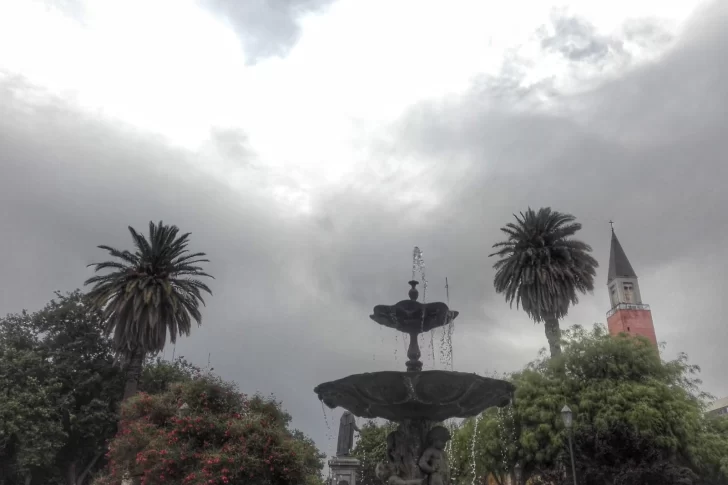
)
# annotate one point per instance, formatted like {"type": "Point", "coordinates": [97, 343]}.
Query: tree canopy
{"type": "Point", "coordinates": [637, 420]}
{"type": "Point", "coordinates": [371, 448]}
{"type": "Point", "coordinates": [150, 294]}
{"type": "Point", "coordinates": [58, 392]}
{"type": "Point", "coordinates": [543, 269]}
{"type": "Point", "coordinates": [204, 431]}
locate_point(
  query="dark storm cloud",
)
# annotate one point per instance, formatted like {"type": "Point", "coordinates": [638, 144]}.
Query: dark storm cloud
{"type": "Point", "coordinates": [265, 27]}
{"type": "Point", "coordinates": [647, 150]}
{"type": "Point", "coordinates": [292, 294]}
{"type": "Point", "coordinates": [70, 183]}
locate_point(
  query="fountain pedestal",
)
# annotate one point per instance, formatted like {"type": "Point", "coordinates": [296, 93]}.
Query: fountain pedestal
{"type": "Point", "coordinates": [344, 469]}
{"type": "Point", "coordinates": [405, 446]}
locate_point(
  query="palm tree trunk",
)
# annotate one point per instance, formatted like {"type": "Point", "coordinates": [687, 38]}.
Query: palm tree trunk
{"type": "Point", "coordinates": [133, 372]}
{"type": "Point", "coordinates": [553, 335]}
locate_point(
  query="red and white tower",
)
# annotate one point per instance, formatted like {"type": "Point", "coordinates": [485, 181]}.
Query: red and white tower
{"type": "Point", "coordinates": [628, 314]}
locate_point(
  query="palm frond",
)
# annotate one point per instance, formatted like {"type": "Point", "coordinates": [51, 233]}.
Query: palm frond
{"type": "Point", "coordinates": [540, 268]}
{"type": "Point", "coordinates": [153, 294]}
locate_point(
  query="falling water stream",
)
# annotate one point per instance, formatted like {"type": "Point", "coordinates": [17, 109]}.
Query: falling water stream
{"type": "Point", "coordinates": [418, 266]}
{"type": "Point", "coordinates": [472, 448]}
{"type": "Point", "coordinates": [507, 436]}
{"type": "Point", "coordinates": [328, 429]}
{"type": "Point", "coordinates": [448, 449]}
{"type": "Point", "coordinates": [446, 356]}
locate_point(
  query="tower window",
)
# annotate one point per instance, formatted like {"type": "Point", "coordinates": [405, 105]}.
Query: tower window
{"type": "Point", "coordinates": [628, 289]}
{"type": "Point", "coordinates": [628, 329]}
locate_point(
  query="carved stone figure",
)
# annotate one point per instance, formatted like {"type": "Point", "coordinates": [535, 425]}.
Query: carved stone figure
{"type": "Point", "coordinates": [433, 460]}
{"type": "Point", "coordinates": [347, 426]}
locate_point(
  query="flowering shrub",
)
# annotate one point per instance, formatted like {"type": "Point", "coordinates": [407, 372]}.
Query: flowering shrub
{"type": "Point", "coordinates": [219, 437]}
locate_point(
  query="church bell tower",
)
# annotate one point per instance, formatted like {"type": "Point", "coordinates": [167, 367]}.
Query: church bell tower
{"type": "Point", "coordinates": [628, 314]}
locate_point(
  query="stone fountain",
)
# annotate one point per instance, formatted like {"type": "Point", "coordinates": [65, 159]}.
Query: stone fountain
{"type": "Point", "coordinates": [418, 400]}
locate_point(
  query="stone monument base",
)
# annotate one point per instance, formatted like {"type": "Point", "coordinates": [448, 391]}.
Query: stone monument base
{"type": "Point", "coordinates": [344, 469]}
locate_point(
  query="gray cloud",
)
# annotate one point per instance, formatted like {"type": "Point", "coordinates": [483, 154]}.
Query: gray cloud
{"type": "Point", "coordinates": [646, 149]}
{"type": "Point", "coordinates": [588, 55]}
{"type": "Point", "coordinates": [266, 28]}
{"type": "Point", "coordinates": [232, 144]}
{"type": "Point", "coordinates": [292, 294]}
{"type": "Point", "coordinates": [577, 39]}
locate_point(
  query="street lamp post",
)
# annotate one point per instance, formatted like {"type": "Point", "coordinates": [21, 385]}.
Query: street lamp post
{"type": "Point", "coordinates": [568, 418]}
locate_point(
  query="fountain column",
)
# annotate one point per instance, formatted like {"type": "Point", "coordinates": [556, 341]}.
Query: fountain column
{"type": "Point", "coordinates": [409, 442]}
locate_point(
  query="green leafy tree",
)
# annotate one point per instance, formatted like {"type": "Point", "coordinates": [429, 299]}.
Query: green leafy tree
{"type": "Point", "coordinates": [622, 455]}
{"type": "Point", "coordinates": [712, 454]}
{"type": "Point", "coordinates": [150, 294]}
{"type": "Point", "coordinates": [204, 431]}
{"type": "Point", "coordinates": [543, 269]}
{"type": "Point", "coordinates": [492, 455]}
{"type": "Point", "coordinates": [58, 392]}
{"type": "Point", "coordinates": [60, 388]}
{"type": "Point", "coordinates": [31, 428]}
{"type": "Point", "coordinates": [371, 448]}
{"type": "Point", "coordinates": [313, 459]}
{"type": "Point", "coordinates": [158, 374]}
{"type": "Point", "coordinates": [638, 420]}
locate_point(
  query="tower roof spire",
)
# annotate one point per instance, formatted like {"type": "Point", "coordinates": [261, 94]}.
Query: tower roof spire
{"type": "Point", "coordinates": [619, 266]}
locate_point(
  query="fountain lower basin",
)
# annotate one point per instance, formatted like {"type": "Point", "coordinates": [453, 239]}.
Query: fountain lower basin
{"type": "Point", "coordinates": [435, 395]}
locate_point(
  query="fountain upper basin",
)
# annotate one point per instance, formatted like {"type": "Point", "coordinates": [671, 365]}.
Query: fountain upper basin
{"type": "Point", "coordinates": [413, 317]}
{"type": "Point", "coordinates": [434, 395]}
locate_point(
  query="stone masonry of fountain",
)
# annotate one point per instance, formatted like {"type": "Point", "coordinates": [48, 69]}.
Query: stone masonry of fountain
{"type": "Point", "coordinates": [415, 399]}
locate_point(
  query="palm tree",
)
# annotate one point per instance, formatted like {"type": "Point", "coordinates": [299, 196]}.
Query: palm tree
{"type": "Point", "coordinates": [542, 269]}
{"type": "Point", "coordinates": [150, 293]}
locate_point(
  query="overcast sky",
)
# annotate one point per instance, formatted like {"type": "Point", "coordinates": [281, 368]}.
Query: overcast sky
{"type": "Point", "coordinates": [309, 145]}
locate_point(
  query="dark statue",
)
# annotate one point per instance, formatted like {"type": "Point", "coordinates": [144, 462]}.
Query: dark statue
{"type": "Point", "coordinates": [347, 426]}
{"type": "Point", "coordinates": [433, 461]}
